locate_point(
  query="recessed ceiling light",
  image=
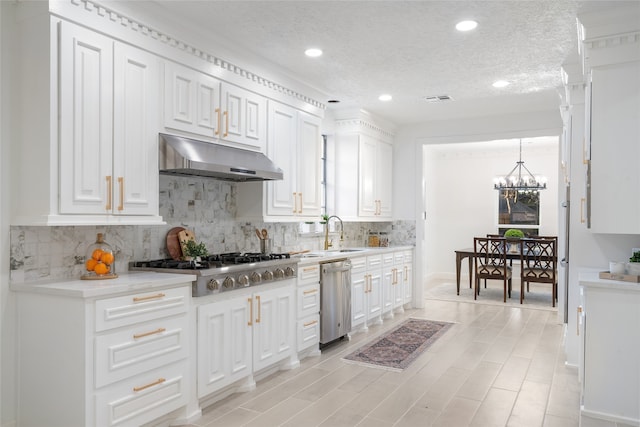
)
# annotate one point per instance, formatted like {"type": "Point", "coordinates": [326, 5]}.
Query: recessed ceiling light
{"type": "Point", "coordinates": [385, 97]}
{"type": "Point", "coordinates": [313, 52]}
{"type": "Point", "coordinates": [500, 83]}
{"type": "Point", "coordinates": [466, 25]}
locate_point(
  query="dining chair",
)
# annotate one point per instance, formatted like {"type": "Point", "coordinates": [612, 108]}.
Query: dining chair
{"type": "Point", "coordinates": [538, 263]}
{"type": "Point", "coordinates": [490, 260]}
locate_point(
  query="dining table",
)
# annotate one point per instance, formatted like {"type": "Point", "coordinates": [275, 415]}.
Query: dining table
{"type": "Point", "coordinates": [469, 253]}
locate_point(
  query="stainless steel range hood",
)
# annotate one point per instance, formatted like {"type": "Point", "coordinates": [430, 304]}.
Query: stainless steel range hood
{"type": "Point", "coordinates": [184, 156]}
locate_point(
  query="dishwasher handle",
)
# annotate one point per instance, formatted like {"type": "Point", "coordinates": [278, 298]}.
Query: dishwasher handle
{"type": "Point", "coordinates": [332, 269]}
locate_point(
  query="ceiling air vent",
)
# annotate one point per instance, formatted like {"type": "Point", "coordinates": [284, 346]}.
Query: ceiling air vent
{"type": "Point", "coordinates": [439, 98]}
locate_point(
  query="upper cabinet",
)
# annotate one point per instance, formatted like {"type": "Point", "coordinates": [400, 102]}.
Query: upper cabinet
{"type": "Point", "coordinates": [363, 139]}
{"type": "Point", "coordinates": [97, 155]}
{"type": "Point", "coordinates": [201, 105]}
{"type": "Point", "coordinates": [611, 64]}
{"type": "Point", "coordinates": [108, 126]}
{"type": "Point", "coordinates": [294, 143]}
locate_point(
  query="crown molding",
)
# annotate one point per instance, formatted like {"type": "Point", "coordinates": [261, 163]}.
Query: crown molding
{"type": "Point", "coordinates": [614, 40]}
{"type": "Point", "coordinates": [140, 28]}
{"type": "Point", "coordinates": [358, 124]}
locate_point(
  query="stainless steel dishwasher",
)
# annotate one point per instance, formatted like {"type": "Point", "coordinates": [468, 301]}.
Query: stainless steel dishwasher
{"type": "Point", "coordinates": [335, 300]}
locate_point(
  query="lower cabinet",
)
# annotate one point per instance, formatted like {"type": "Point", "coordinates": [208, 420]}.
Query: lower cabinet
{"type": "Point", "coordinates": [120, 361]}
{"type": "Point", "coordinates": [243, 334]}
{"type": "Point", "coordinates": [308, 309]}
{"type": "Point", "coordinates": [610, 362]}
{"type": "Point", "coordinates": [366, 291]}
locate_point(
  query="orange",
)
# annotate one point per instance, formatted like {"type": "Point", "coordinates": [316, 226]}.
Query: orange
{"type": "Point", "coordinates": [107, 258]}
{"type": "Point", "coordinates": [101, 269]}
{"type": "Point", "coordinates": [90, 264]}
{"type": "Point", "coordinates": [97, 253]}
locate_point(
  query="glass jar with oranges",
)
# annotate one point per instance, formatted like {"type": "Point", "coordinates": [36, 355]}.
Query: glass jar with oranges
{"type": "Point", "coordinates": [99, 260]}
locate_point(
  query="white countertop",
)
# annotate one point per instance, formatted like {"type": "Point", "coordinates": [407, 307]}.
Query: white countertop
{"type": "Point", "coordinates": [331, 254]}
{"type": "Point", "coordinates": [124, 283]}
{"type": "Point", "coordinates": [590, 279]}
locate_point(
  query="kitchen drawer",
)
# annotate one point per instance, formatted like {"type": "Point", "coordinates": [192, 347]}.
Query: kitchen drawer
{"type": "Point", "coordinates": [308, 332]}
{"type": "Point", "coordinates": [358, 264]}
{"type": "Point", "coordinates": [138, 400]}
{"type": "Point", "coordinates": [408, 257]}
{"type": "Point", "coordinates": [388, 259]}
{"type": "Point", "coordinates": [308, 300]}
{"type": "Point", "coordinates": [309, 274]}
{"type": "Point", "coordinates": [138, 349]}
{"type": "Point", "coordinates": [374, 261]}
{"type": "Point", "coordinates": [141, 307]}
{"type": "Point", "coordinates": [398, 258]}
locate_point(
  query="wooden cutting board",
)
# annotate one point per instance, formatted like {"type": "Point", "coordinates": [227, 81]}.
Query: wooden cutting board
{"type": "Point", "coordinates": [173, 243]}
{"type": "Point", "coordinates": [184, 236]}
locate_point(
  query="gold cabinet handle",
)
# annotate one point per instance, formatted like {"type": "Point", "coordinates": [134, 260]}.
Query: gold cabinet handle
{"type": "Point", "coordinates": [109, 191]}
{"type": "Point", "coordinates": [395, 276]}
{"type": "Point", "coordinates": [406, 273]}
{"type": "Point", "coordinates": [149, 297]}
{"type": "Point", "coordinates": [156, 382]}
{"type": "Point", "coordinates": [311, 291]}
{"type": "Point", "coordinates": [313, 322]}
{"type": "Point", "coordinates": [314, 267]}
{"type": "Point", "coordinates": [582, 203]}
{"type": "Point", "coordinates": [121, 188]}
{"type": "Point", "coordinates": [146, 334]}
{"type": "Point", "coordinates": [368, 282]}
{"type": "Point", "coordinates": [295, 202]}
{"type": "Point", "coordinates": [250, 322]}
{"type": "Point", "coordinates": [226, 121]}
{"type": "Point", "coordinates": [259, 311]}
{"type": "Point", "coordinates": [579, 311]}
{"type": "Point", "coordinates": [300, 196]}
{"type": "Point", "coordinates": [218, 112]}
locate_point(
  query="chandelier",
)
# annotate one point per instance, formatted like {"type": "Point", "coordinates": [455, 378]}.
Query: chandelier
{"type": "Point", "coordinates": [520, 179]}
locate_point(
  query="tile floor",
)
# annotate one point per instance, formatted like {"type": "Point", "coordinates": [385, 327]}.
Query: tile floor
{"type": "Point", "coordinates": [497, 366]}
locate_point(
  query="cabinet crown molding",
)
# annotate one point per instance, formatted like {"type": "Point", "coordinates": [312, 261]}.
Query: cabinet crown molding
{"type": "Point", "coordinates": [100, 11]}
{"type": "Point", "coordinates": [359, 125]}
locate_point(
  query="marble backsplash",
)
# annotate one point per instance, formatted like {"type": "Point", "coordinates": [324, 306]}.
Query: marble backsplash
{"type": "Point", "coordinates": [206, 206]}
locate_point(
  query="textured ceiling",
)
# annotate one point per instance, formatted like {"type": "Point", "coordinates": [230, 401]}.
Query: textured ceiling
{"type": "Point", "coordinates": [409, 49]}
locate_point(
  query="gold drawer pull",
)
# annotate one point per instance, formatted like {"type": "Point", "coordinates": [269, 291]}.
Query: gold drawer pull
{"type": "Point", "coordinates": [146, 334]}
{"type": "Point", "coordinates": [312, 291]}
{"type": "Point", "coordinates": [147, 298]}
{"type": "Point", "coordinates": [217, 132]}
{"type": "Point", "coordinates": [226, 121]}
{"type": "Point", "coordinates": [259, 313]}
{"type": "Point", "coordinates": [313, 322]}
{"type": "Point", "coordinates": [156, 382]}
{"type": "Point", "coordinates": [312, 268]}
{"type": "Point", "coordinates": [578, 320]}
{"type": "Point", "coordinates": [121, 188]}
{"type": "Point", "coordinates": [109, 190]}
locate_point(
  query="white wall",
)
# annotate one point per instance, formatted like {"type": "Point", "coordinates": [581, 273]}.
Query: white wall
{"type": "Point", "coordinates": [461, 201]}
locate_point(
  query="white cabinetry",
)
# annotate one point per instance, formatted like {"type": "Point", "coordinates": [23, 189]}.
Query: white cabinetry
{"type": "Point", "coordinates": [370, 199]}
{"type": "Point", "coordinates": [407, 276]}
{"type": "Point", "coordinates": [101, 150]}
{"type": "Point", "coordinates": [375, 160]}
{"type": "Point", "coordinates": [244, 333]}
{"type": "Point", "coordinates": [119, 361]}
{"type": "Point", "coordinates": [308, 308]}
{"type": "Point", "coordinates": [359, 291]}
{"type": "Point", "coordinates": [399, 281]}
{"type": "Point", "coordinates": [224, 343]}
{"type": "Point", "coordinates": [611, 350]}
{"type": "Point", "coordinates": [294, 143]}
{"type": "Point", "coordinates": [201, 105]}
{"type": "Point", "coordinates": [108, 126]}
{"type": "Point", "coordinates": [615, 148]}
{"type": "Point", "coordinates": [388, 283]}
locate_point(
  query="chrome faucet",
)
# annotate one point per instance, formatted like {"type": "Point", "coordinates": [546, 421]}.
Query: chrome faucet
{"type": "Point", "coordinates": [327, 243]}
